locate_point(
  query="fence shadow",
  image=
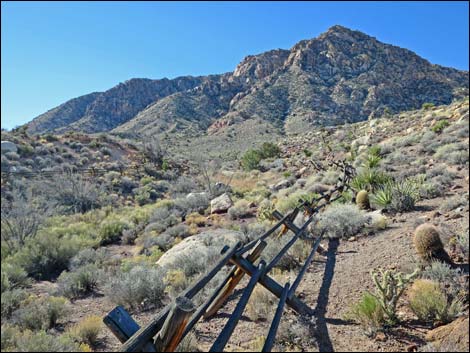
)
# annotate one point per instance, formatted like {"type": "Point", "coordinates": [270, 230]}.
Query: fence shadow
{"type": "Point", "coordinates": [321, 332]}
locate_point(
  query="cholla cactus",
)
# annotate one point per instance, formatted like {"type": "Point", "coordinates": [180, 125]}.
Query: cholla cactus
{"type": "Point", "coordinates": [428, 244]}
{"type": "Point", "coordinates": [362, 200]}
{"type": "Point", "coordinates": [390, 285]}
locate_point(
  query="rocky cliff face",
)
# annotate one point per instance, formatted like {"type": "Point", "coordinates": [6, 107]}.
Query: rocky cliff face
{"type": "Point", "coordinates": [340, 76]}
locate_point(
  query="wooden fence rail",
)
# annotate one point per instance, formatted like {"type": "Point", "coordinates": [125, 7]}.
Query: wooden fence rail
{"type": "Point", "coordinates": [176, 320]}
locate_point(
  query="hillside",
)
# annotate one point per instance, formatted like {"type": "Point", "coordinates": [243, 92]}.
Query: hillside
{"type": "Point", "coordinates": [340, 76]}
{"type": "Point", "coordinates": [138, 236]}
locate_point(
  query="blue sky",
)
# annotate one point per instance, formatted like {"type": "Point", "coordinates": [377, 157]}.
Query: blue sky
{"type": "Point", "coordinates": [55, 51]}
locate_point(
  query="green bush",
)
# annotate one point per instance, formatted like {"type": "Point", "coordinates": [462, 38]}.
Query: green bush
{"type": "Point", "coordinates": [368, 313]}
{"type": "Point", "coordinates": [269, 150]}
{"type": "Point", "coordinates": [427, 106]}
{"type": "Point", "coordinates": [11, 301]}
{"type": "Point", "coordinates": [111, 231]}
{"type": "Point", "coordinates": [40, 314]}
{"type": "Point", "coordinates": [87, 330]}
{"type": "Point", "coordinates": [398, 196]}
{"type": "Point", "coordinates": [47, 255]}
{"type": "Point", "coordinates": [79, 282]}
{"type": "Point", "coordinates": [430, 303]}
{"type": "Point", "coordinates": [13, 276]}
{"type": "Point", "coordinates": [440, 125]}
{"type": "Point", "coordinates": [250, 160]}
{"type": "Point", "coordinates": [240, 209]}
{"type": "Point", "coordinates": [139, 288]}
{"type": "Point", "coordinates": [15, 340]}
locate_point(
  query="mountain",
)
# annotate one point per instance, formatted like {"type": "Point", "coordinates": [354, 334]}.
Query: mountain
{"type": "Point", "coordinates": [340, 76]}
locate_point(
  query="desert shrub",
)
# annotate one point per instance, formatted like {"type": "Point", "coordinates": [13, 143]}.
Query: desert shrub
{"type": "Point", "coordinates": [265, 210]}
{"type": "Point", "coordinates": [22, 215]}
{"type": "Point", "coordinates": [111, 231]}
{"type": "Point", "coordinates": [368, 313]}
{"type": "Point", "coordinates": [440, 125]}
{"type": "Point", "coordinates": [194, 203]}
{"type": "Point", "coordinates": [139, 288]}
{"type": "Point", "coordinates": [11, 300]}
{"type": "Point", "coordinates": [13, 276]}
{"type": "Point", "coordinates": [389, 287]}
{"type": "Point", "coordinates": [427, 106]}
{"type": "Point", "coordinates": [87, 330]}
{"type": "Point", "coordinates": [178, 231]}
{"type": "Point", "coordinates": [250, 160]}
{"type": "Point", "coordinates": [78, 283]}
{"type": "Point", "coordinates": [183, 185]}
{"type": "Point", "coordinates": [454, 153]}
{"type": "Point", "coordinates": [341, 221]}
{"type": "Point", "coordinates": [196, 219]}
{"type": "Point", "coordinates": [240, 209]}
{"type": "Point", "coordinates": [88, 257]}
{"type": "Point", "coordinates": [16, 340]}
{"type": "Point", "coordinates": [462, 241]}
{"type": "Point", "coordinates": [76, 194]}
{"type": "Point", "coordinates": [452, 203]}
{"type": "Point", "coordinates": [447, 277]}
{"type": "Point", "coordinates": [295, 333]}
{"type": "Point", "coordinates": [288, 203]}
{"type": "Point", "coordinates": [269, 150]}
{"type": "Point", "coordinates": [430, 303]}
{"type": "Point", "coordinates": [47, 255]}
{"type": "Point", "coordinates": [260, 305]}
{"type": "Point", "coordinates": [175, 281]}
{"type": "Point", "coordinates": [40, 314]}
{"type": "Point", "coordinates": [198, 262]}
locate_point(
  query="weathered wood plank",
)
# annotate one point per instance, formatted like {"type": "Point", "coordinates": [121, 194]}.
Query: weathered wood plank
{"type": "Point", "coordinates": [136, 342]}
{"type": "Point", "coordinates": [234, 280]}
{"type": "Point", "coordinates": [274, 287]}
{"type": "Point", "coordinates": [232, 322]}
{"type": "Point", "coordinates": [170, 335]}
{"type": "Point", "coordinates": [268, 344]}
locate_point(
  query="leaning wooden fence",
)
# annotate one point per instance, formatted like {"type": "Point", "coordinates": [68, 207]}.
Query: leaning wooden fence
{"type": "Point", "coordinates": [165, 331]}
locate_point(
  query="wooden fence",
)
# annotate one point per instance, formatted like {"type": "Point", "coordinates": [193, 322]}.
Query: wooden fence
{"type": "Point", "coordinates": [165, 331]}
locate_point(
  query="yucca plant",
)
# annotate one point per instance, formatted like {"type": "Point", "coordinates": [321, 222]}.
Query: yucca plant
{"type": "Point", "coordinates": [383, 196]}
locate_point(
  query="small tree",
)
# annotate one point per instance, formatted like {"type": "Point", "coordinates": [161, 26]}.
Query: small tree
{"type": "Point", "coordinates": [22, 214]}
{"type": "Point", "coordinates": [251, 159]}
{"type": "Point", "coordinates": [153, 151]}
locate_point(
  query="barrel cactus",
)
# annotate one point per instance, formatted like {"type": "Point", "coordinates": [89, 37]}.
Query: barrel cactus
{"type": "Point", "coordinates": [428, 244]}
{"type": "Point", "coordinates": [362, 200]}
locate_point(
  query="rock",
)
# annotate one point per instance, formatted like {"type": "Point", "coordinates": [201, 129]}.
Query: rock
{"type": "Point", "coordinates": [301, 172]}
{"type": "Point", "coordinates": [193, 195]}
{"type": "Point", "coordinates": [8, 146]}
{"type": "Point", "coordinates": [200, 245]}
{"type": "Point", "coordinates": [453, 336]}
{"type": "Point", "coordinates": [283, 184]}
{"type": "Point", "coordinates": [221, 204]}
{"type": "Point", "coordinates": [301, 182]}
{"type": "Point", "coordinates": [380, 337]}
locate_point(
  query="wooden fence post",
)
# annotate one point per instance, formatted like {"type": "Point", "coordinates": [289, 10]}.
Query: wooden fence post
{"type": "Point", "coordinates": [169, 336]}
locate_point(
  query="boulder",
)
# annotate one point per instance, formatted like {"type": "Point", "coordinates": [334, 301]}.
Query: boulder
{"type": "Point", "coordinates": [452, 336]}
{"type": "Point", "coordinates": [221, 204]}
{"type": "Point", "coordinates": [204, 245]}
{"type": "Point", "coordinates": [8, 146]}
{"type": "Point", "coordinates": [197, 195]}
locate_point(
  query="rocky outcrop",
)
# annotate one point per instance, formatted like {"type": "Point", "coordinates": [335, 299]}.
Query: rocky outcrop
{"type": "Point", "coordinates": [221, 204]}
{"type": "Point", "coordinates": [452, 337]}
{"type": "Point", "coordinates": [341, 76]}
{"type": "Point", "coordinates": [203, 244]}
